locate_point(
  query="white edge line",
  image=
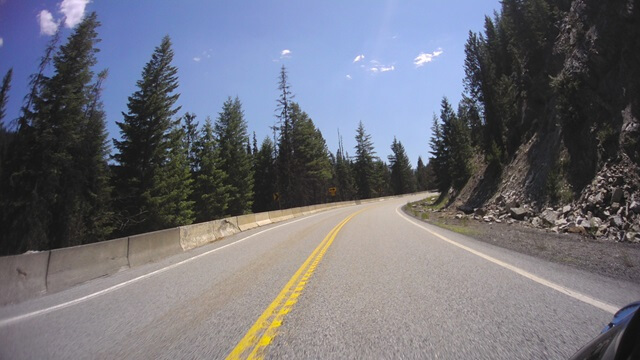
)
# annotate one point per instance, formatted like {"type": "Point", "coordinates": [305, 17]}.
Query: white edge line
{"type": "Point", "coordinates": [574, 294]}
{"type": "Point", "coordinates": [19, 318]}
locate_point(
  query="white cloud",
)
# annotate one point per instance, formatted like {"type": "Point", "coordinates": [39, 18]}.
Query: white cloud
{"type": "Point", "coordinates": [73, 11]}
{"type": "Point", "coordinates": [377, 67]}
{"type": "Point", "coordinates": [349, 77]}
{"type": "Point", "coordinates": [358, 58]}
{"type": "Point", "coordinates": [47, 25]}
{"type": "Point", "coordinates": [1, 42]}
{"type": "Point", "coordinates": [286, 53]}
{"type": "Point", "coordinates": [197, 59]}
{"type": "Point", "coordinates": [424, 58]}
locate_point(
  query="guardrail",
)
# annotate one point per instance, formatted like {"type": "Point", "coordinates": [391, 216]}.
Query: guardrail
{"type": "Point", "coordinates": [36, 273]}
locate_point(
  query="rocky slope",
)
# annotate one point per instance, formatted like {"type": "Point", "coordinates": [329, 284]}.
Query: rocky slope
{"type": "Point", "coordinates": [586, 178]}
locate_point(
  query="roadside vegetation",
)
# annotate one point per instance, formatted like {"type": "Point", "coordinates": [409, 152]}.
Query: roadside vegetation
{"type": "Point", "coordinates": [63, 182]}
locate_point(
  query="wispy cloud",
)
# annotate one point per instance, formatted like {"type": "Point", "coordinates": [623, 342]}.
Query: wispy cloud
{"type": "Point", "coordinates": [205, 55]}
{"type": "Point", "coordinates": [358, 58]}
{"type": "Point", "coordinates": [376, 67]}
{"type": "Point", "coordinates": [285, 54]}
{"type": "Point", "coordinates": [73, 11]}
{"type": "Point", "coordinates": [1, 42]}
{"type": "Point", "coordinates": [424, 58]}
{"type": "Point", "coordinates": [48, 26]}
{"type": "Point", "coordinates": [349, 77]}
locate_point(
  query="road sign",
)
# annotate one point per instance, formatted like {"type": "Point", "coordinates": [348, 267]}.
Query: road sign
{"type": "Point", "coordinates": [333, 190]}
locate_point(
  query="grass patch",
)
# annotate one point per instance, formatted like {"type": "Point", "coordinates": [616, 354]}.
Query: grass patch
{"type": "Point", "coordinates": [460, 229]}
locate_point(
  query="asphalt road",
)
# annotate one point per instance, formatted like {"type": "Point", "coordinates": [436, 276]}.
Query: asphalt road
{"type": "Point", "coordinates": [378, 285]}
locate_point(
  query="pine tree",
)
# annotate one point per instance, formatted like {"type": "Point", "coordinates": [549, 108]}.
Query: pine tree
{"type": "Point", "coordinates": [439, 157]}
{"type": "Point", "coordinates": [284, 146]}
{"type": "Point", "coordinates": [4, 134]}
{"type": "Point", "coordinates": [4, 96]}
{"type": "Point", "coordinates": [425, 176]}
{"type": "Point", "coordinates": [24, 213]}
{"type": "Point", "coordinates": [402, 176]}
{"type": "Point", "coordinates": [190, 129]}
{"type": "Point", "coordinates": [169, 197]}
{"type": "Point", "coordinates": [265, 178]}
{"type": "Point", "coordinates": [310, 164]}
{"type": "Point", "coordinates": [381, 179]}
{"type": "Point", "coordinates": [231, 133]}
{"type": "Point", "coordinates": [60, 172]}
{"type": "Point", "coordinates": [145, 141]}
{"type": "Point", "coordinates": [343, 178]}
{"type": "Point", "coordinates": [211, 195]}
{"type": "Point", "coordinates": [364, 164]}
{"type": "Point", "coordinates": [455, 135]}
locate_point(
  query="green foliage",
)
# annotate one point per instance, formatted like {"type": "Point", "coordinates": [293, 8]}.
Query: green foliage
{"type": "Point", "coordinates": [169, 196]}
{"type": "Point", "coordinates": [343, 177]}
{"type": "Point", "coordinates": [211, 194]}
{"type": "Point", "coordinates": [425, 176]}
{"type": "Point", "coordinates": [190, 129]}
{"type": "Point", "coordinates": [265, 177]}
{"type": "Point", "coordinates": [230, 130]}
{"type": "Point", "coordinates": [146, 140]}
{"type": "Point", "coordinates": [364, 167]}
{"type": "Point", "coordinates": [4, 95]}
{"type": "Point", "coordinates": [56, 182]}
{"type": "Point", "coordinates": [402, 177]}
{"type": "Point", "coordinates": [310, 165]}
{"type": "Point", "coordinates": [451, 149]}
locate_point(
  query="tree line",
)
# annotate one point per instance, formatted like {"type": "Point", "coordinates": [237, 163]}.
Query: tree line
{"type": "Point", "coordinates": [62, 186]}
{"type": "Point", "coordinates": [542, 67]}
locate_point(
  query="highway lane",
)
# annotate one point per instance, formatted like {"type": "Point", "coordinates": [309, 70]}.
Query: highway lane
{"type": "Point", "coordinates": [383, 288]}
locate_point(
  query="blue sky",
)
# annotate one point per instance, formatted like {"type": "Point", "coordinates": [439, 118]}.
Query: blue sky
{"type": "Point", "coordinates": [387, 63]}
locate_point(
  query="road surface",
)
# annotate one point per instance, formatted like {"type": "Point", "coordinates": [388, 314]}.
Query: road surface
{"type": "Point", "coordinates": [358, 282]}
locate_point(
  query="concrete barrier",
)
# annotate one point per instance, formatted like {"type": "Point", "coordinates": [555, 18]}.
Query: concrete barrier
{"type": "Point", "coordinates": [153, 246]}
{"type": "Point", "coordinates": [297, 212]}
{"type": "Point", "coordinates": [275, 215]}
{"type": "Point", "coordinates": [263, 219]}
{"type": "Point", "coordinates": [23, 276]}
{"type": "Point", "coordinates": [196, 235]}
{"type": "Point", "coordinates": [247, 222]}
{"type": "Point", "coordinates": [287, 214]}
{"type": "Point", "coordinates": [75, 265]}
{"type": "Point", "coordinates": [225, 227]}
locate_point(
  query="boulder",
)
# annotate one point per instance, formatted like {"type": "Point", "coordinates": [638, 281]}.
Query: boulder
{"type": "Point", "coordinates": [518, 213]}
{"type": "Point", "coordinates": [577, 230]}
{"type": "Point", "coordinates": [615, 207]}
{"type": "Point", "coordinates": [480, 211]}
{"type": "Point", "coordinates": [536, 222]}
{"type": "Point", "coordinates": [635, 207]}
{"type": "Point", "coordinates": [549, 217]}
{"type": "Point", "coordinates": [616, 221]}
{"type": "Point", "coordinates": [566, 209]}
{"type": "Point", "coordinates": [632, 237]}
{"type": "Point", "coordinates": [616, 195]}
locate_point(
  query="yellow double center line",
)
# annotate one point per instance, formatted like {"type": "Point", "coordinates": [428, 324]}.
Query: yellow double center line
{"type": "Point", "coordinates": [266, 327]}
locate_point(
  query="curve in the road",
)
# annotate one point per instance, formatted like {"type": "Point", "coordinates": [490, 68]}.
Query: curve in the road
{"type": "Point", "coordinates": [562, 289]}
